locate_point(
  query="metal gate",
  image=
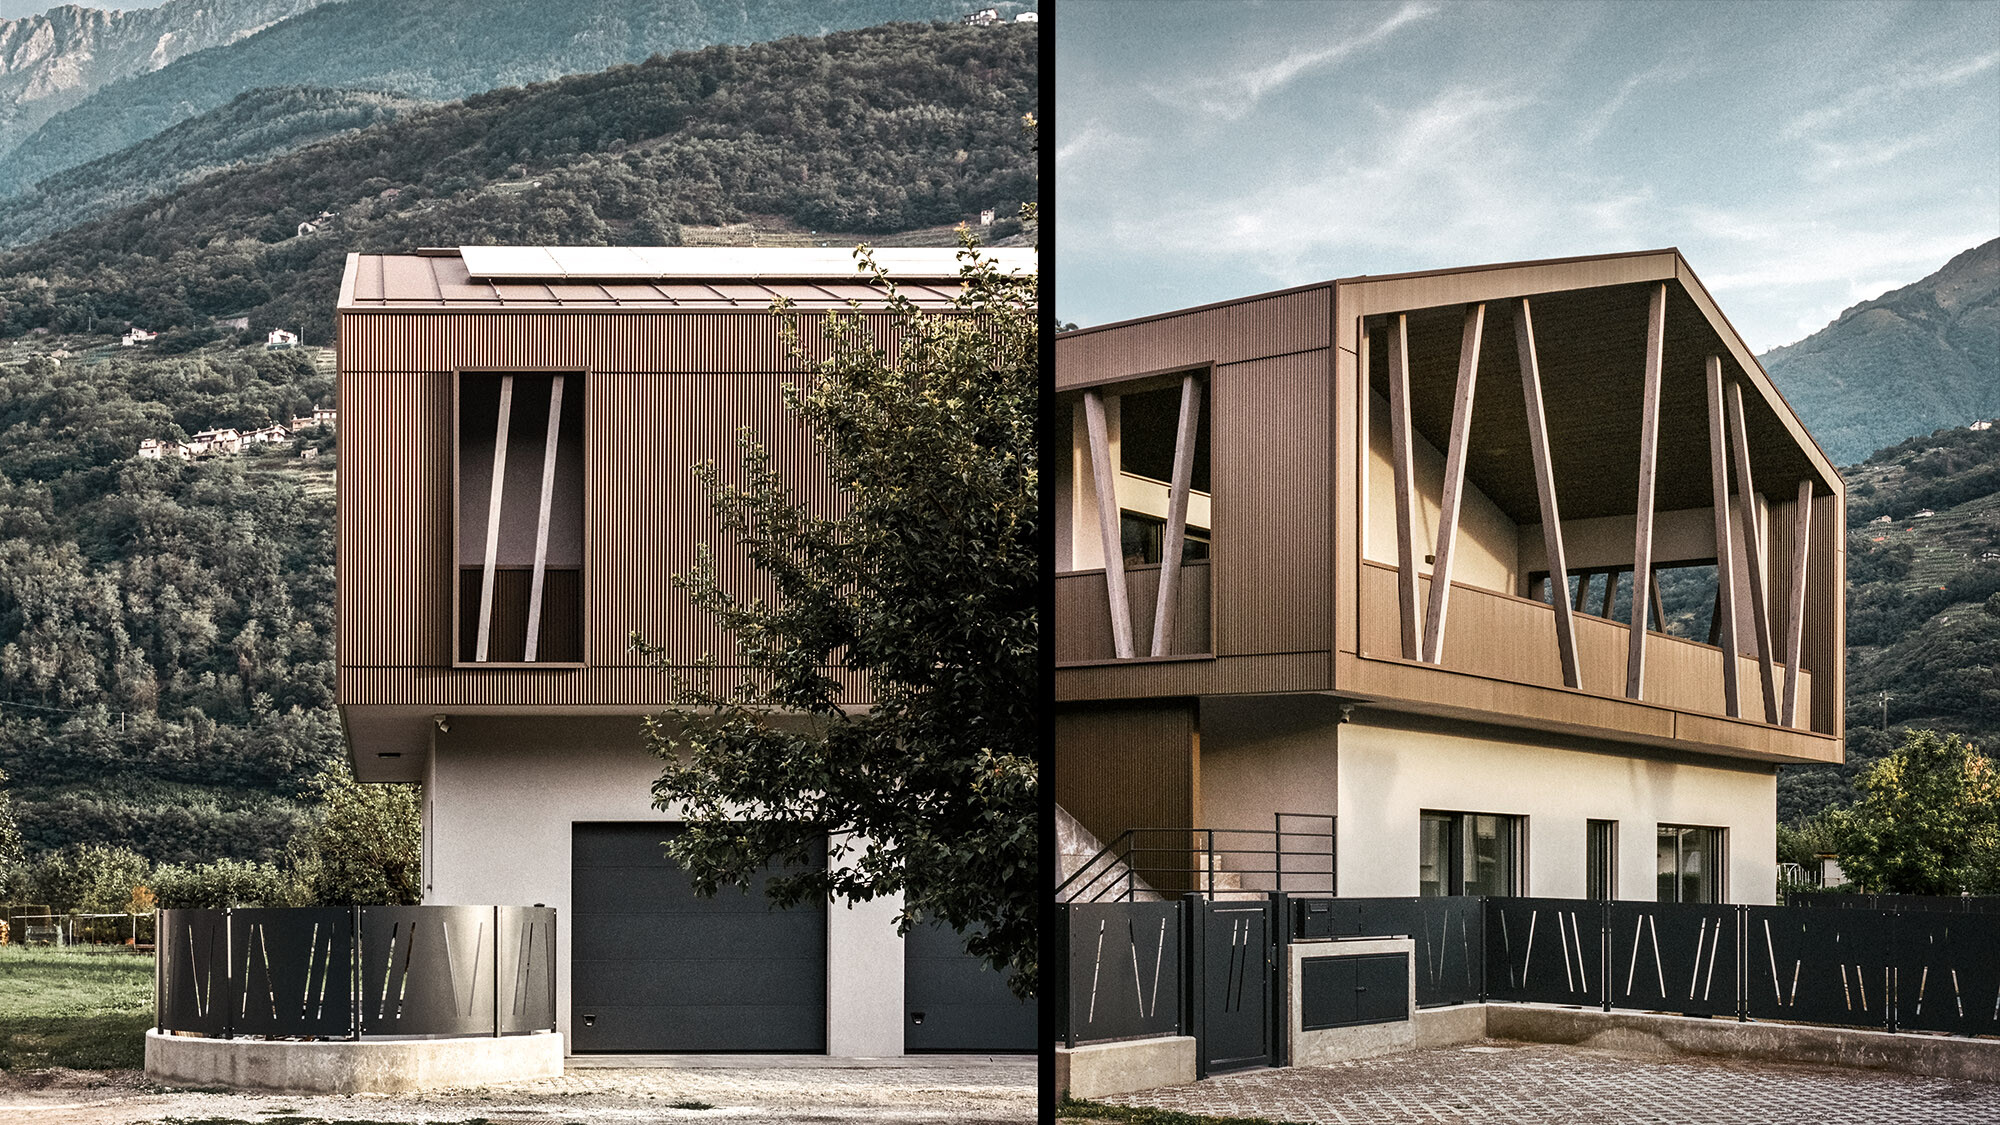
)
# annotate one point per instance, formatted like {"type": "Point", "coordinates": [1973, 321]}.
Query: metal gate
{"type": "Point", "coordinates": [1235, 957]}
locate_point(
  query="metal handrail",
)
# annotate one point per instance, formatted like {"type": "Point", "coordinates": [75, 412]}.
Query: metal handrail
{"type": "Point", "coordinates": [1115, 873]}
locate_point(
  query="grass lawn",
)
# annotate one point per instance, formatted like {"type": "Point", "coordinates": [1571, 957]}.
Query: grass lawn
{"type": "Point", "coordinates": [84, 1009]}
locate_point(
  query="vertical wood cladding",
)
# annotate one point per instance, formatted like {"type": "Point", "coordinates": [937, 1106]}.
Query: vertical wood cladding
{"type": "Point", "coordinates": [1121, 766]}
{"type": "Point", "coordinates": [662, 392]}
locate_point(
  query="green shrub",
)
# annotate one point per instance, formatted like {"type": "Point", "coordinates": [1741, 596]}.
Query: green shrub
{"type": "Point", "coordinates": [226, 882]}
{"type": "Point", "coordinates": [88, 878]}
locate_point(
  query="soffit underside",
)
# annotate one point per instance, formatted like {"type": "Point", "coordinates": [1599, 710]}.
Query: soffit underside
{"type": "Point", "coordinates": [1590, 347]}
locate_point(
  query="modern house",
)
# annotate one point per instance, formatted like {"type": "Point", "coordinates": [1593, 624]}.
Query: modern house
{"type": "Point", "coordinates": [515, 491]}
{"type": "Point", "coordinates": [1436, 556]}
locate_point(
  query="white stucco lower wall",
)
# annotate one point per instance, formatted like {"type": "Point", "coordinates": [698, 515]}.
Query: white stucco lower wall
{"type": "Point", "coordinates": [501, 795]}
{"type": "Point", "coordinates": [1390, 772]}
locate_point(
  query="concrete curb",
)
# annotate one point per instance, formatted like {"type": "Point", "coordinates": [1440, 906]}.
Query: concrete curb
{"type": "Point", "coordinates": [398, 1066]}
{"type": "Point", "coordinates": [1931, 1056]}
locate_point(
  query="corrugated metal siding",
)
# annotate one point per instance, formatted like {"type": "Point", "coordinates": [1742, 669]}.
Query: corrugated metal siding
{"type": "Point", "coordinates": [652, 341]}
{"type": "Point", "coordinates": [649, 420]}
{"type": "Point", "coordinates": [1131, 766]}
{"type": "Point", "coordinates": [1272, 512]}
{"type": "Point", "coordinates": [1233, 333]}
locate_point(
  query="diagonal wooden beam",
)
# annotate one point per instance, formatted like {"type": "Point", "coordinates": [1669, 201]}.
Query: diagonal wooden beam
{"type": "Point", "coordinates": [1401, 458]}
{"type": "Point", "coordinates": [1649, 452]}
{"type": "Point", "coordinates": [1454, 482]}
{"type": "Point", "coordinates": [1545, 487]}
{"type": "Point", "coordinates": [1753, 550]}
{"type": "Point", "coordinates": [1795, 620]}
{"type": "Point", "coordinates": [1610, 594]}
{"type": "Point", "coordinates": [548, 494]}
{"type": "Point", "coordinates": [1659, 610]}
{"type": "Point", "coordinates": [1101, 475]}
{"type": "Point", "coordinates": [493, 516]}
{"type": "Point", "coordinates": [1177, 506]}
{"type": "Point", "coordinates": [1722, 626]}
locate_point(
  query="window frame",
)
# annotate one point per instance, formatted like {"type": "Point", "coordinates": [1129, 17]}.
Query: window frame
{"type": "Point", "coordinates": [1718, 880]}
{"type": "Point", "coordinates": [1515, 833]}
{"type": "Point", "coordinates": [454, 591]}
{"type": "Point", "coordinates": [1600, 865]}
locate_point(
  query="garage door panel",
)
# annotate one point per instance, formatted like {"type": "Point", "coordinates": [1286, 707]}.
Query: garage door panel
{"type": "Point", "coordinates": [695, 1028]}
{"type": "Point", "coordinates": [611, 937]}
{"type": "Point", "coordinates": [616, 890]}
{"type": "Point", "coordinates": [654, 967]}
{"type": "Point", "coordinates": [963, 1005]}
{"type": "Point", "coordinates": [707, 982]}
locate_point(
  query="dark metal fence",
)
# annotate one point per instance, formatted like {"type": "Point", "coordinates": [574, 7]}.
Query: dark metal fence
{"type": "Point", "coordinates": [1915, 969]}
{"type": "Point", "coordinates": [1125, 972]}
{"type": "Point", "coordinates": [346, 972]}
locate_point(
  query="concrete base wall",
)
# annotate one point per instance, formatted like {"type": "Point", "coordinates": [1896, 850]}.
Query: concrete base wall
{"type": "Point", "coordinates": [1103, 1069]}
{"type": "Point", "coordinates": [1932, 1056]}
{"type": "Point", "coordinates": [344, 1067]}
{"type": "Point", "coordinates": [1448, 1027]}
{"type": "Point", "coordinates": [1338, 1044]}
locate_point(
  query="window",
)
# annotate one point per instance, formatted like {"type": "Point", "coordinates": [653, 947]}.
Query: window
{"type": "Point", "coordinates": [1601, 862]}
{"type": "Point", "coordinates": [1145, 539]}
{"type": "Point", "coordinates": [1690, 864]}
{"type": "Point", "coordinates": [519, 597]}
{"type": "Point", "coordinates": [1147, 424]}
{"type": "Point", "coordinates": [1470, 854]}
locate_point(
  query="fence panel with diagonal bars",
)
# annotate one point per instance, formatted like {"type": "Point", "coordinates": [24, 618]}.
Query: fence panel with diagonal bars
{"type": "Point", "coordinates": [336, 973]}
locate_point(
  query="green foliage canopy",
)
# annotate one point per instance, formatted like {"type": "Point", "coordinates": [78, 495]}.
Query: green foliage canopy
{"type": "Point", "coordinates": [926, 580]}
{"type": "Point", "coordinates": [1928, 821]}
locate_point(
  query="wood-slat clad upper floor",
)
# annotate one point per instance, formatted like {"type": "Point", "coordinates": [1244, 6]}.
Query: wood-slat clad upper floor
{"type": "Point", "coordinates": [661, 393]}
{"type": "Point", "coordinates": [1303, 487]}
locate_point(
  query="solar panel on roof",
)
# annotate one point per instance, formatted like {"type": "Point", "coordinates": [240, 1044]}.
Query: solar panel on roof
{"type": "Point", "coordinates": [692, 263]}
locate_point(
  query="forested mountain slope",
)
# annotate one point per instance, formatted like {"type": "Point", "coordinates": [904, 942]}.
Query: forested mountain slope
{"type": "Point", "coordinates": [873, 131]}
{"type": "Point", "coordinates": [437, 49]}
{"type": "Point", "coordinates": [56, 59]}
{"type": "Point", "coordinates": [1923, 604]}
{"type": "Point", "coordinates": [255, 127]}
{"type": "Point", "coordinates": [166, 663]}
{"type": "Point", "coordinates": [1908, 362]}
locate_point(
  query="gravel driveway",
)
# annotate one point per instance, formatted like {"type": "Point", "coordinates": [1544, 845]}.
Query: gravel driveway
{"type": "Point", "coordinates": [975, 1089]}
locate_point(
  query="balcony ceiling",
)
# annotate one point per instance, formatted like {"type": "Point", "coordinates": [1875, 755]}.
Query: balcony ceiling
{"type": "Point", "coordinates": [1591, 346]}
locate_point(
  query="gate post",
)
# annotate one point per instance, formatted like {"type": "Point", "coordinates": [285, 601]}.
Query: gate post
{"type": "Point", "coordinates": [1280, 953]}
{"type": "Point", "coordinates": [1604, 952]}
{"type": "Point", "coordinates": [1194, 923]}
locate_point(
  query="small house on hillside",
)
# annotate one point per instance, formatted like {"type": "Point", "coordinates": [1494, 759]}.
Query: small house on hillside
{"type": "Point", "coordinates": [211, 442]}
{"type": "Point", "coordinates": [152, 449]}
{"type": "Point", "coordinates": [275, 432]}
{"type": "Point", "coordinates": [1981, 425]}
{"type": "Point", "coordinates": [280, 338]}
{"type": "Point", "coordinates": [1923, 514]}
{"type": "Point", "coordinates": [137, 336]}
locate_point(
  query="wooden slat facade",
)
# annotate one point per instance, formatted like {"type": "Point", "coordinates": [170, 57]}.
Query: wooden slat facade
{"type": "Point", "coordinates": [1294, 607]}
{"type": "Point", "coordinates": [661, 392]}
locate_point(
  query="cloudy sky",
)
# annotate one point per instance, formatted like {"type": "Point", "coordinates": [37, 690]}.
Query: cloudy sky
{"type": "Point", "coordinates": [1803, 156]}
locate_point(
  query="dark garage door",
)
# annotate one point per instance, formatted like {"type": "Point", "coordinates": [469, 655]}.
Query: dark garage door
{"type": "Point", "coordinates": [654, 968]}
{"type": "Point", "coordinates": [963, 1005]}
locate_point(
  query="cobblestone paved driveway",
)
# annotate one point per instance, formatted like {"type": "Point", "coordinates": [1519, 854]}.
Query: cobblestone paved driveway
{"type": "Point", "coordinates": [1505, 1083]}
{"type": "Point", "coordinates": [743, 1091]}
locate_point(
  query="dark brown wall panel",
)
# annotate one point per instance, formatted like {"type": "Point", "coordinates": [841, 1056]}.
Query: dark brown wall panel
{"type": "Point", "coordinates": [1126, 766]}
{"type": "Point", "coordinates": [1270, 523]}
{"type": "Point", "coordinates": [649, 422]}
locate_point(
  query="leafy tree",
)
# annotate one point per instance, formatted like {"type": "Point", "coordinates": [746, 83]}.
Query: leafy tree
{"type": "Point", "coordinates": [1928, 821]}
{"type": "Point", "coordinates": [364, 847]}
{"type": "Point", "coordinates": [88, 878]}
{"type": "Point", "coordinates": [12, 857]}
{"type": "Point", "coordinates": [926, 579]}
{"type": "Point", "coordinates": [226, 882]}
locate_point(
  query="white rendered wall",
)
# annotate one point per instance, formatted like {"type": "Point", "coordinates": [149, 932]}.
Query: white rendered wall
{"type": "Point", "coordinates": [500, 797]}
{"type": "Point", "coordinates": [1488, 542]}
{"type": "Point", "coordinates": [1390, 774]}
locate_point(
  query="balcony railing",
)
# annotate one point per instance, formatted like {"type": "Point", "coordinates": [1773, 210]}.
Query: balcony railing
{"type": "Point", "coordinates": [1083, 617]}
